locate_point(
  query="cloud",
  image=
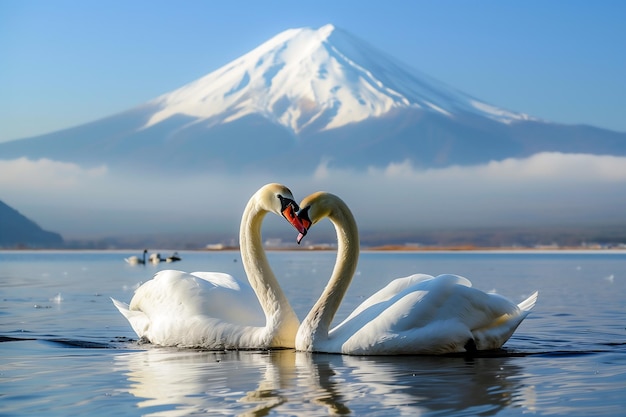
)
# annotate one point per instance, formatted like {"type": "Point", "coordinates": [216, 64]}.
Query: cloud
{"type": "Point", "coordinates": [550, 166]}
{"type": "Point", "coordinates": [555, 166]}
{"type": "Point", "coordinates": [540, 171]}
{"type": "Point", "coordinates": [544, 189]}
{"type": "Point", "coordinates": [45, 175]}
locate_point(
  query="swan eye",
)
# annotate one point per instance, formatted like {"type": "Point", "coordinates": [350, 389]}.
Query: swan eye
{"type": "Point", "coordinates": [285, 202]}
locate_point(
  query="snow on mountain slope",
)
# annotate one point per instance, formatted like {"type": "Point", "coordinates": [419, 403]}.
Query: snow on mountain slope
{"type": "Point", "coordinates": [317, 80]}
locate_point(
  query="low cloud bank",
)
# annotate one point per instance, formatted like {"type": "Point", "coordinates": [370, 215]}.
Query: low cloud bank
{"type": "Point", "coordinates": [544, 189]}
{"type": "Point", "coordinates": [44, 175]}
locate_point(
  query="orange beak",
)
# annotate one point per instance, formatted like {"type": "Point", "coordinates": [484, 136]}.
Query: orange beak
{"type": "Point", "coordinates": [289, 213]}
{"type": "Point", "coordinates": [306, 224]}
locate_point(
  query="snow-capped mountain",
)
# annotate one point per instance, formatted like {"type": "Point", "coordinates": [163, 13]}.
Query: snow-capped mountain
{"type": "Point", "coordinates": [317, 79]}
{"type": "Point", "coordinates": [307, 96]}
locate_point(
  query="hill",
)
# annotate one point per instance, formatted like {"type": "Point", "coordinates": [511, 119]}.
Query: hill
{"type": "Point", "coordinates": [17, 231]}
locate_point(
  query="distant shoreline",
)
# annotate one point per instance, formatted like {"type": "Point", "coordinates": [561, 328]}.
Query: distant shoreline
{"type": "Point", "coordinates": [330, 248]}
{"type": "Point", "coordinates": [452, 248]}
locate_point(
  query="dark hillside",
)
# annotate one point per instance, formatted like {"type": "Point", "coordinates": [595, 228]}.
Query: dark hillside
{"type": "Point", "coordinates": [18, 231]}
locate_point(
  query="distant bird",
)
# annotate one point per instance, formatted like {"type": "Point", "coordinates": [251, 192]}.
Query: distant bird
{"type": "Point", "coordinates": [155, 258]}
{"type": "Point", "coordinates": [135, 260]}
{"type": "Point", "coordinates": [173, 258]}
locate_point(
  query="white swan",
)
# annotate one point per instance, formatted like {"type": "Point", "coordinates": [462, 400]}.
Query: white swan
{"type": "Point", "coordinates": [135, 260]}
{"type": "Point", "coordinates": [418, 314]}
{"type": "Point", "coordinates": [173, 257]}
{"type": "Point", "coordinates": [155, 258]}
{"type": "Point", "coordinates": [213, 310]}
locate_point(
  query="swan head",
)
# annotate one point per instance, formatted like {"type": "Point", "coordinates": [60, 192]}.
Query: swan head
{"type": "Point", "coordinates": [278, 199]}
{"type": "Point", "coordinates": [314, 208]}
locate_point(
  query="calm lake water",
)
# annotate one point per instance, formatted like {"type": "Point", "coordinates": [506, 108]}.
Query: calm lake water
{"type": "Point", "coordinates": [66, 350]}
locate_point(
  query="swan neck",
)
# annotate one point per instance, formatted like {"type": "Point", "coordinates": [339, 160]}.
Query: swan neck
{"type": "Point", "coordinates": [279, 315]}
{"type": "Point", "coordinates": [321, 315]}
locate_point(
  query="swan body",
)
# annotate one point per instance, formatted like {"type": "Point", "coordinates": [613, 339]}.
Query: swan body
{"type": "Point", "coordinates": [173, 257]}
{"type": "Point", "coordinates": [418, 314]}
{"type": "Point", "coordinates": [135, 260]}
{"type": "Point", "coordinates": [213, 310]}
{"type": "Point", "coordinates": [177, 308]}
{"type": "Point", "coordinates": [155, 258]}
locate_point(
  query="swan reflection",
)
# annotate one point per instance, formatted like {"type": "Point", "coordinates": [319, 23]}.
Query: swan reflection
{"type": "Point", "coordinates": [172, 382]}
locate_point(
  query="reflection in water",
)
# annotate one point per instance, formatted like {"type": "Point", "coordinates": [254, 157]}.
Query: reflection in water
{"type": "Point", "coordinates": [171, 382]}
{"type": "Point", "coordinates": [412, 385]}
{"type": "Point", "coordinates": [279, 370]}
{"type": "Point", "coordinates": [320, 383]}
{"type": "Point", "coordinates": [485, 385]}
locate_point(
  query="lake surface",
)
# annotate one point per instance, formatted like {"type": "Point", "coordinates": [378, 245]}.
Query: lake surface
{"type": "Point", "coordinates": [66, 350]}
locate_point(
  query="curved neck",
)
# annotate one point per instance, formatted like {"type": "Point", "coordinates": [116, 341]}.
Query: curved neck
{"type": "Point", "coordinates": [278, 312]}
{"type": "Point", "coordinates": [320, 317]}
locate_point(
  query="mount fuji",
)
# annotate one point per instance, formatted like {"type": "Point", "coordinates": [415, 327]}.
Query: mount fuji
{"type": "Point", "coordinates": [307, 97]}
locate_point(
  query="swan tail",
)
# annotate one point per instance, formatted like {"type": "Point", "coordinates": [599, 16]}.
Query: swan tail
{"type": "Point", "coordinates": [122, 307]}
{"type": "Point", "coordinates": [137, 319]}
{"type": "Point", "coordinates": [529, 303]}
{"type": "Point", "coordinates": [500, 330]}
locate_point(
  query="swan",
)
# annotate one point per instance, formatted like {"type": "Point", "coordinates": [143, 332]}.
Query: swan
{"type": "Point", "coordinates": [213, 310]}
{"type": "Point", "coordinates": [418, 314]}
{"type": "Point", "coordinates": [173, 258]}
{"type": "Point", "coordinates": [155, 258]}
{"type": "Point", "coordinates": [135, 260]}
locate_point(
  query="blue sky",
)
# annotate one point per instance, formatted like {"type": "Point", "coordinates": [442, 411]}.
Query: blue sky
{"type": "Point", "coordinates": [68, 62]}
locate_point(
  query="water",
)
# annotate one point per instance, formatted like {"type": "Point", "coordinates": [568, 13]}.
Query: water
{"type": "Point", "coordinates": [67, 351]}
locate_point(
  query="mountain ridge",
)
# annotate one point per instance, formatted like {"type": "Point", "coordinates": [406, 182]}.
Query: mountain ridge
{"type": "Point", "coordinates": [340, 85]}
{"type": "Point", "coordinates": [307, 97]}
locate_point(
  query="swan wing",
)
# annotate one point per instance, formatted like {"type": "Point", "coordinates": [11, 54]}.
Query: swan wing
{"type": "Point", "coordinates": [221, 279]}
{"type": "Point", "coordinates": [164, 307]}
{"type": "Point", "coordinates": [380, 300]}
{"type": "Point", "coordinates": [428, 315]}
{"type": "Point", "coordinates": [392, 289]}
{"type": "Point", "coordinates": [212, 294]}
